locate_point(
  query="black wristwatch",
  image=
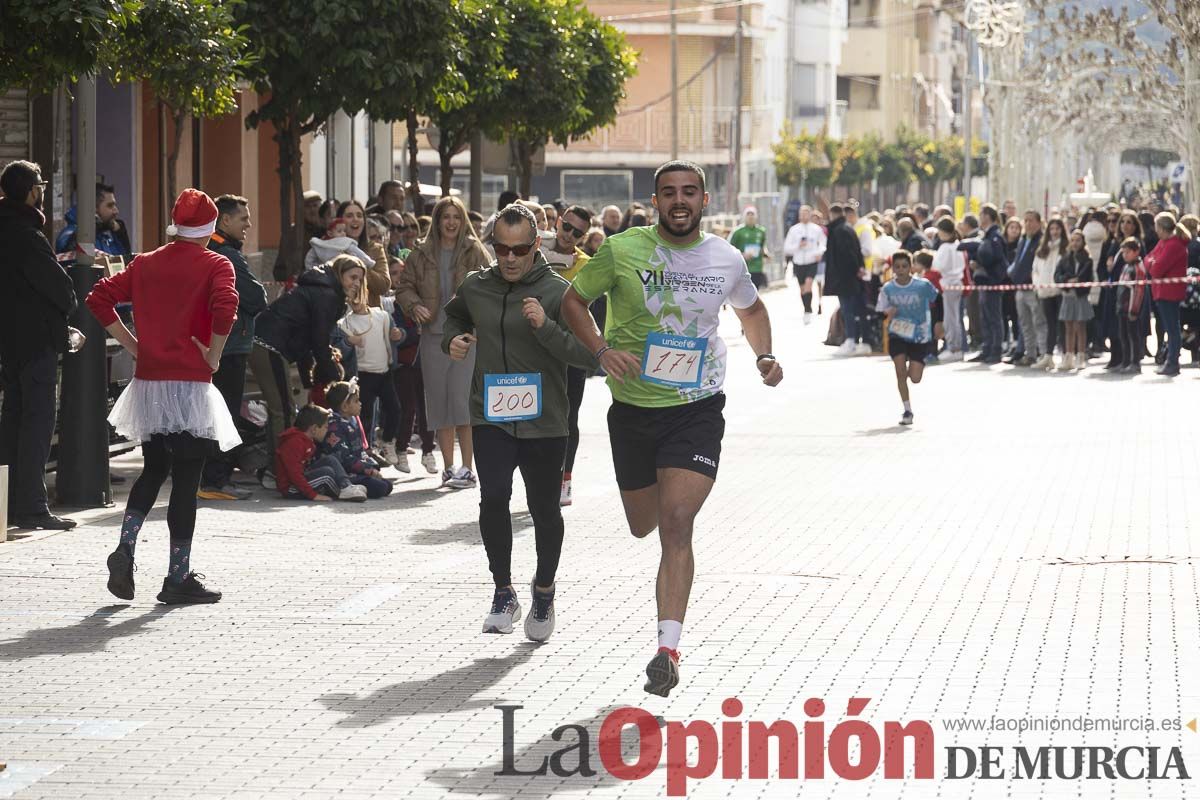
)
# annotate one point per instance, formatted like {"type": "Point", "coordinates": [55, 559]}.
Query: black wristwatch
{"type": "Point", "coordinates": [764, 355]}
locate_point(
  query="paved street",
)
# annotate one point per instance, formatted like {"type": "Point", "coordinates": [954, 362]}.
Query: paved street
{"type": "Point", "coordinates": [1025, 550]}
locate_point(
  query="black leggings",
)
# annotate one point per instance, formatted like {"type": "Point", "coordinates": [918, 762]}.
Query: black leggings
{"type": "Point", "coordinates": [576, 383]}
{"type": "Point", "coordinates": [1050, 306]}
{"type": "Point", "coordinates": [181, 457]}
{"type": "Point", "coordinates": [378, 385]}
{"type": "Point", "coordinates": [410, 389]}
{"type": "Point", "coordinates": [1133, 343]}
{"type": "Point", "coordinates": [497, 456]}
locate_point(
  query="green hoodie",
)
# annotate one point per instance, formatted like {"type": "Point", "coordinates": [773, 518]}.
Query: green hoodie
{"type": "Point", "coordinates": [490, 307]}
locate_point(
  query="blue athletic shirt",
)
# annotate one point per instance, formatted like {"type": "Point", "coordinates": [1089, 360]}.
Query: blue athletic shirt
{"type": "Point", "coordinates": [911, 302]}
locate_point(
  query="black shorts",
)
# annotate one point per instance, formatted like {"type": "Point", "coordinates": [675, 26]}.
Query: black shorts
{"type": "Point", "coordinates": [759, 279]}
{"type": "Point", "coordinates": [937, 311]}
{"type": "Point", "coordinates": [804, 271]}
{"type": "Point", "coordinates": [645, 440]}
{"type": "Point", "coordinates": [916, 351]}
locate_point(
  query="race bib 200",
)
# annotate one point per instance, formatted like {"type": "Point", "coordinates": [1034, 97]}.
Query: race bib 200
{"type": "Point", "coordinates": [674, 360]}
{"type": "Point", "coordinates": [512, 398]}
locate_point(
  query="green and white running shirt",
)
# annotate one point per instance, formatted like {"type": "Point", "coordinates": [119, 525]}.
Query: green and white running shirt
{"type": "Point", "coordinates": [656, 287]}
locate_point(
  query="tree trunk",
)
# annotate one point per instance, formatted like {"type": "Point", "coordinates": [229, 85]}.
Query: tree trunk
{"type": "Point", "coordinates": [524, 167]}
{"type": "Point", "coordinates": [291, 233]}
{"type": "Point", "coordinates": [414, 168]}
{"type": "Point", "coordinates": [173, 159]}
{"type": "Point", "coordinates": [445, 153]}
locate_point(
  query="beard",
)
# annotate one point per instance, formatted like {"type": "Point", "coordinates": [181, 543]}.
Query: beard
{"type": "Point", "coordinates": [684, 228]}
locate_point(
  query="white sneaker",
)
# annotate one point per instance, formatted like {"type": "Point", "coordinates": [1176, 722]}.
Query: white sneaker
{"type": "Point", "coordinates": [447, 476]}
{"type": "Point", "coordinates": [808, 318]}
{"type": "Point", "coordinates": [462, 478]}
{"type": "Point", "coordinates": [1081, 361]}
{"type": "Point", "coordinates": [429, 463]}
{"type": "Point", "coordinates": [390, 452]}
{"type": "Point", "coordinates": [564, 496]}
{"type": "Point", "coordinates": [846, 348]}
{"type": "Point", "coordinates": [506, 610]}
{"type": "Point", "coordinates": [862, 349]}
{"type": "Point", "coordinates": [951, 355]}
{"type": "Point", "coordinates": [540, 622]}
{"type": "Point", "coordinates": [353, 493]}
{"type": "Point", "coordinates": [402, 462]}
{"type": "Point", "coordinates": [1068, 363]}
{"type": "Point", "coordinates": [414, 441]}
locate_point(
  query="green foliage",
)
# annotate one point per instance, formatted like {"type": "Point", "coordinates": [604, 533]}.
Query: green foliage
{"type": "Point", "coordinates": [43, 42]}
{"type": "Point", "coordinates": [188, 51]}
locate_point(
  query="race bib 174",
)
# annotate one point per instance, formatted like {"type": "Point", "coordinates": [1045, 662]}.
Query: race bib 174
{"type": "Point", "coordinates": [674, 360]}
{"type": "Point", "coordinates": [512, 398]}
{"type": "Point", "coordinates": [903, 328]}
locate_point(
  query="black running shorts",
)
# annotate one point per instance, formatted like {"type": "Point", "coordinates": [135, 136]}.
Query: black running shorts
{"type": "Point", "coordinates": [802, 271]}
{"type": "Point", "coordinates": [645, 440]}
{"type": "Point", "coordinates": [916, 351]}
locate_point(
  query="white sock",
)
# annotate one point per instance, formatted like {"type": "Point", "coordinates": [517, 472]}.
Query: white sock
{"type": "Point", "coordinates": [908, 406]}
{"type": "Point", "coordinates": [669, 632]}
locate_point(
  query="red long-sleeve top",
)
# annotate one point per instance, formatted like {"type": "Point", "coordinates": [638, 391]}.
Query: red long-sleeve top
{"type": "Point", "coordinates": [1168, 259]}
{"type": "Point", "coordinates": [178, 291]}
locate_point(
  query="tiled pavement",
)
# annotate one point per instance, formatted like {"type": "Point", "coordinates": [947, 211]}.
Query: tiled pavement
{"type": "Point", "coordinates": [1026, 549]}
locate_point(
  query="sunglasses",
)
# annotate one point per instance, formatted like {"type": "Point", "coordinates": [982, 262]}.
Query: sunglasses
{"type": "Point", "coordinates": [570, 229]}
{"type": "Point", "coordinates": [503, 250]}
{"type": "Point", "coordinates": [403, 228]}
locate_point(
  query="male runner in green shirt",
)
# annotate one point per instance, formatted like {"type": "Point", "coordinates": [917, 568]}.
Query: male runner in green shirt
{"type": "Point", "coordinates": [750, 239]}
{"type": "Point", "coordinates": [666, 366]}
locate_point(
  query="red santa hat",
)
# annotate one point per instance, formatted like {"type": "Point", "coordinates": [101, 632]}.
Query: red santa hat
{"type": "Point", "coordinates": [194, 215]}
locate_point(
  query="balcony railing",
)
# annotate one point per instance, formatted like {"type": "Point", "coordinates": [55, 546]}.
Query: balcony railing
{"type": "Point", "coordinates": [649, 131]}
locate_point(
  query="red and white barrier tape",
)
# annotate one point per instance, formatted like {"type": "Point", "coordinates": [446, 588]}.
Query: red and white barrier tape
{"type": "Point", "coordinates": [1008, 287]}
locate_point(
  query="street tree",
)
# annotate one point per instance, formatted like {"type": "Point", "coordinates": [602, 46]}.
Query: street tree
{"type": "Point", "coordinates": [46, 42]}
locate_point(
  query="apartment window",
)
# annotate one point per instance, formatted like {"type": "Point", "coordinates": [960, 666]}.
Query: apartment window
{"type": "Point", "coordinates": [805, 102]}
{"type": "Point", "coordinates": [597, 188]}
{"type": "Point", "coordinates": [859, 92]}
{"type": "Point", "coordinates": [864, 13]}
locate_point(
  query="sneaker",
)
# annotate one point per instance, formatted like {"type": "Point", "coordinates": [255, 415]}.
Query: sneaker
{"type": "Point", "coordinates": [951, 355]}
{"type": "Point", "coordinates": [862, 349]}
{"type": "Point", "coordinates": [540, 622]}
{"type": "Point", "coordinates": [226, 492]}
{"type": "Point", "coordinates": [564, 496]}
{"type": "Point", "coordinates": [387, 452]}
{"type": "Point", "coordinates": [506, 610]}
{"type": "Point", "coordinates": [428, 462]}
{"type": "Point", "coordinates": [447, 476]}
{"type": "Point", "coordinates": [1068, 363]}
{"type": "Point", "coordinates": [1081, 360]}
{"type": "Point", "coordinates": [462, 478]}
{"type": "Point", "coordinates": [906, 418]}
{"type": "Point", "coordinates": [1027, 361]}
{"type": "Point", "coordinates": [46, 521]}
{"type": "Point", "coordinates": [353, 493]}
{"type": "Point", "coordinates": [414, 441]}
{"type": "Point", "coordinates": [402, 462]}
{"type": "Point", "coordinates": [846, 348]}
{"type": "Point", "coordinates": [191, 590]}
{"type": "Point", "coordinates": [662, 673]}
{"type": "Point", "coordinates": [267, 479]}
{"type": "Point", "coordinates": [120, 573]}
{"type": "Point", "coordinates": [808, 318]}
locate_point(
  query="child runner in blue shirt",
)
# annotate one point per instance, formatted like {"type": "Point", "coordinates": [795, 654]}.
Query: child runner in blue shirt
{"type": "Point", "coordinates": [904, 301]}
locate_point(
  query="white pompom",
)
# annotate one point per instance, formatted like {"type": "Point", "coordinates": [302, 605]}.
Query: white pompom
{"type": "Point", "coordinates": [172, 230]}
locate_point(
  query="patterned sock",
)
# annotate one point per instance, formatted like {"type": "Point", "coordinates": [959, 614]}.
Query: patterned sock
{"type": "Point", "coordinates": [129, 529]}
{"type": "Point", "coordinates": [181, 553]}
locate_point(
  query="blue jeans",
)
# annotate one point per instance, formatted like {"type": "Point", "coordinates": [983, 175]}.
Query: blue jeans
{"type": "Point", "coordinates": [852, 309]}
{"type": "Point", "coordinates": [991, 307]}
{"type": "Point", "coordinates": [376, 487]}
{"type": "Point", "coordinates": [1168, 317]}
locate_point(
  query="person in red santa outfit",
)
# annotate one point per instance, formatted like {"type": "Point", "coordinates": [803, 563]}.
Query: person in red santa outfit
{"type": "Point", "coordinates": [184, 304]}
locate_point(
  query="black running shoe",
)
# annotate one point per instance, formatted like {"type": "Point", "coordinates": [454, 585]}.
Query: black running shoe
{"type": "Point", "coordinates": [191, 590]}
{"type": "Point", "coordinates": [120, 573]}
{"type": "Point", "coordinates": [662, 673]}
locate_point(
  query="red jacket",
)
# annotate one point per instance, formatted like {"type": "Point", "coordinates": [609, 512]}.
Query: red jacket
{"type": "Point", "coordinates": [1168, 259]}
{"type": "Point", "coordinates": [292, 454]}
{"type": "Point", "coordinates": [178, 291]}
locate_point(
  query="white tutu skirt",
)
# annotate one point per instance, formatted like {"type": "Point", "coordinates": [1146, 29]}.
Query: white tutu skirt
{"type": "Point", "coordinates": [149, 407]}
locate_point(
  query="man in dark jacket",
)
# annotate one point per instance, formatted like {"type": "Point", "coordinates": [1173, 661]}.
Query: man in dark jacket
{"type": "Point", "coordinates": [844, 269]}
{"type": "Point", "coordinates": [910, 238]}
{"type": "Point", "coordinates": [34, 307]}
{"type": "Point", "coordinates": [233, 221]}
{"type": "Point", "coordinates": [1030, 316]}
{"type": "Point", "coordinates": [991, 270]}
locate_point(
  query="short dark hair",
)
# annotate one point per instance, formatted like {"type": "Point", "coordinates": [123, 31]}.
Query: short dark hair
{"type": "Point", "coordinates": [903, 255]}
{"type": "Point", "coordinates": [1131, 243]}
{"type": "Point", "coordinates": [336, 394]}
{"type": "Point", "coordinates": [476, 218]}
{"type": "Point", "coordinates": [103, 189]}
{"type": "Point", "coordinates": [1036, 214]}
{"type": "Point", "coordinates": [311, 416]}
{"type": "Point", "coordinates": [946, 224]}
{"type": "Point", "coordinates": [507, 198]}
{"type": "Point", "coordinates": [837, 209]}
{"type": "Point", "coordinates": [921, 210]}
{"type": "Point", "coordinates": [924, 258]}
{"type": "Point", "coordinates": [583, 212]}
{"type": "Point", "coordinates": [229, 203]}
{"type": "Point", "coordinates": [991, 211]}
{"type": "Point", "coordinates": [971, 220]}
{"type": "Point", "coordinates": [514, 214]}
{"type": "Point", "coordinates": [679, 166]}
{"type": "Point", "coordinates": [392, 184]}
{"type": "Point", "coordinates": [18, 179]}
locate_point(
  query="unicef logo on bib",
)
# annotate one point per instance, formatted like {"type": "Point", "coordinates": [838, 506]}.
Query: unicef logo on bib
{"type": "Point", "coordinates": [512, 398]}
{"type": "Point", "coordinates": [674, 360]}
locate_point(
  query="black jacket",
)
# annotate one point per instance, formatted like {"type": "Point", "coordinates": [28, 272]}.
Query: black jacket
{"type": "Point", "coordinates": [298, 325]}
{"type": "Point", "coordinates": [1021, 270]}
{"type": "Point", "coordinates": [843, 259]}
{"type": "Point", "coordinates": [252, 296]}
{"type": "Point", "coordinates": [915, 243]}
{"type": "Point", "coordinates": [1075, 265]}
{"type": "Point", "coordinates": [37, 296]}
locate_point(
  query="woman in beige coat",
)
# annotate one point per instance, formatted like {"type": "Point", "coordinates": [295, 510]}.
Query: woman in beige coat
{"type": "Point", "coordinates": [432, 273]}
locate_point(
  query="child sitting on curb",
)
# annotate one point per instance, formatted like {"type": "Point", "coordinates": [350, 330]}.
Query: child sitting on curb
{"type": "Point", "coordinates": [345, 441]}
{"type": "Point", "coordinates": [298, 474]}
